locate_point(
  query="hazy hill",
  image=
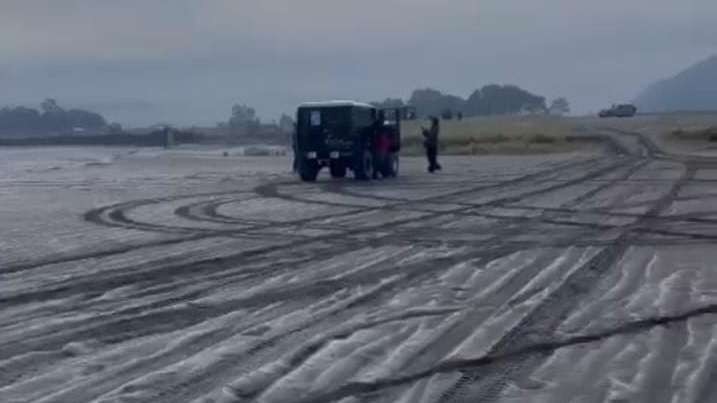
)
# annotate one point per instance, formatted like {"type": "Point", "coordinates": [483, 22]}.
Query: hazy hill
{"type": "Point", "coordinates": [693, 89]}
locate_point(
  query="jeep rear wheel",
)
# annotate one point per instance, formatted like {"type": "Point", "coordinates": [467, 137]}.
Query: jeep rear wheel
{"type": "Point", "coordinates": [308, 170]}
{"type": "Point", "coordinates": [390, 169]}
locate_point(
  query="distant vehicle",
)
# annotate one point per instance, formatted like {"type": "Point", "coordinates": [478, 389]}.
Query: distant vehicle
{"type": "Point", "coordinates": [619, 111]}
{"type": "Point", "coordinates": [340, 135]}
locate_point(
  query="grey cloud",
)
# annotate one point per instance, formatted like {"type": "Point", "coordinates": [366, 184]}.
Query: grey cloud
{"type": "Point", "coordinates": [192, 59]}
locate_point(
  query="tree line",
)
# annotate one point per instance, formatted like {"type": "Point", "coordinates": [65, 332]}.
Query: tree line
{"type": "Point", "coordinates": [487, 101]}
{"type": "Point", "coordinates": [493, 99]}
{"type": "Point", "coordinates": [51, 118]}
{"type": "Point", "coordinates": [490, 100]}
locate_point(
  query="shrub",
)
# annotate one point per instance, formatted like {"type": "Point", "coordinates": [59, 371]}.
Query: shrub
{"type": "Point", "coordinates": [542, 139]}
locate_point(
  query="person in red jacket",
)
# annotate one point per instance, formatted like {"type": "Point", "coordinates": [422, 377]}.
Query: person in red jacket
{"type": "Point", "coordinates": [381, 146]}
{"type": "Point", "coordinates": [382, 150]}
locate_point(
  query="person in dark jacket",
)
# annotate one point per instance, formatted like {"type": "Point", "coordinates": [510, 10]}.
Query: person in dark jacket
{"type": "Point", "coordinates": [430, 142]}
{"type": "Point", "coordinates": [295, 148]}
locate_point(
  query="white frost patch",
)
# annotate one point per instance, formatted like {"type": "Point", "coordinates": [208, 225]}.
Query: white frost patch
{"type": "Point", "coordinates": [430, 390]}
{"type": "Point", "coordinates": [512, 312]}
{"type": "Point", "coordinates": [631, 267]}
{"type": "Point", "coordinates": [697, 361]}
{"type": "Point", "coordinates": [335, 363]}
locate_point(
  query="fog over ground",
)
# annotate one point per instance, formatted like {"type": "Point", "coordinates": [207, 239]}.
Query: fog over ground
{"type": "Point", "coordinates": [186, 62]}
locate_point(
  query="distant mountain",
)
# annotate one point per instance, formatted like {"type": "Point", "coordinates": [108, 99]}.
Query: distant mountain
{"type": "Point", "coordinates": [694, 89]}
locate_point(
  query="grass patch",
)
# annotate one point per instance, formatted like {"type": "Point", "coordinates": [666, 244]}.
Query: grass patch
{"type": "Point", "coordinates": [495, 135]}
{"type": "Point", "coordinates": [708, 134]}
{"type": "Point", "coordinates": [542, 139]}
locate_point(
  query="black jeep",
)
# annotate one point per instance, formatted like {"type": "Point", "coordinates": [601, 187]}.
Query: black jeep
{"type": "Point", "coordinates": [343, 136]}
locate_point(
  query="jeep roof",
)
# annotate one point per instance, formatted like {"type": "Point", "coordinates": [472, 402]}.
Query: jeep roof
{"type": "Point", "coordinates": [336, 103]}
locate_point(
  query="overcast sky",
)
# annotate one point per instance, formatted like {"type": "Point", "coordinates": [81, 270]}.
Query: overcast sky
{"type": "Point", "coordinates": [187, 61]}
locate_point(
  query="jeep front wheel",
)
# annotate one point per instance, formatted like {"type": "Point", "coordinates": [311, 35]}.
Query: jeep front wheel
{"type": "Point", "coordinates": [363, 168]}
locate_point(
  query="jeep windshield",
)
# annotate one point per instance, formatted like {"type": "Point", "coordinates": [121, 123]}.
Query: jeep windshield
{"type": "Point", "coordinates": [333, 119]}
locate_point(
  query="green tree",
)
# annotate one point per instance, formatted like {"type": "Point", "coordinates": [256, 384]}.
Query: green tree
{"type": "Point", "coordinates": [389, 103]}
{"type": "Point", "coordinates": [560, 106]}
{"type": "Point", "coordinates": [286, 123]}
{"type": "Point", "coordinates": [114, 128]}
{"type": "Point", "coordinates": [52, 119]}
{"type": "Point", "coordinates": [50, 105]}
{"type": "Point", "coordinates": [430, 102]}
{"type": "Point", "coordinates": [244, 118]}
{"type": "Point", "coordinates": [447, 114]}
{"type": "Point", "coordinates": [503, 100]}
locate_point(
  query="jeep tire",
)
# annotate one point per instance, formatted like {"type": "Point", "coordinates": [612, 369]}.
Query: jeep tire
{"type": "Point", "coordinates": [337, 169]}
{"type": "Point", "coordinates": [363, 165]}
{"type": "Point", "coordinates": [308, 170]}
{"type": "Point", "coordinates": [390, 168]}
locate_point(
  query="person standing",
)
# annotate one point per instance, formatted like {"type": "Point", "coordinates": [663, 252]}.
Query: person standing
{"type": "Point", "coordinates": [295, 149]}
{"type": "Point", "coordinates": [381, 145]}
{"type": "Point", "coordinates": [430, 142]}
{"type": "Point", "coordinates": [382, 150]}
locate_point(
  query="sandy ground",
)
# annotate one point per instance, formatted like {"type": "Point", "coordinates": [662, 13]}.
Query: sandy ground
{"type": "Point", "coordinates": [153, 276]}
